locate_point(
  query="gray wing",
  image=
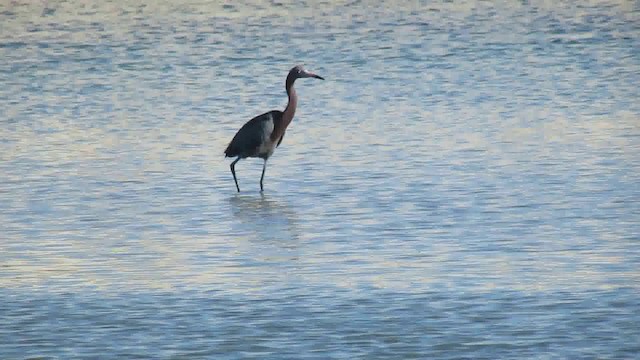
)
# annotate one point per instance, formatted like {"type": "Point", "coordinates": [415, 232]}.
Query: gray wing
{"type": "Point", "coordinates": [277, 121]}
{"type": "Point", "coordinates": [250, 136]}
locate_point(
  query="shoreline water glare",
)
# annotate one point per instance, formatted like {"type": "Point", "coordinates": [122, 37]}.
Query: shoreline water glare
{"type": "Point", "coordinates": [464, 184]}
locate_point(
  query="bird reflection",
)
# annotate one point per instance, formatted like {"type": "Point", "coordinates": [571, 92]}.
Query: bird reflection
{"type": "Point", "coordinates": [268, 219]}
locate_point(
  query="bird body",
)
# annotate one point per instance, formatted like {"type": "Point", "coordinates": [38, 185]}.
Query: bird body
{"type": "Point", "coordinates": [254, 138]}
{"type": "Point", "coordinates": [260, 136]}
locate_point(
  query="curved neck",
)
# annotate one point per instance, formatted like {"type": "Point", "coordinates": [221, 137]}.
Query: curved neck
{"type": "Point", "coordinates": [290, 110]}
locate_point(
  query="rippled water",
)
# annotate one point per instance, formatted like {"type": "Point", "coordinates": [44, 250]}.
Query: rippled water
{"type": "Point", "coordinates": [463, 185]}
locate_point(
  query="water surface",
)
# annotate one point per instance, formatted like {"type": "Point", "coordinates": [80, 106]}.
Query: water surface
{"type": "Point", "coordinates": [463, 185]}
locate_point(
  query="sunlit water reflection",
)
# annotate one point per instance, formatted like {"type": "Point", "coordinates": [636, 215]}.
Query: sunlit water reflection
{"type": "Point", "coordinates": [463, 184]}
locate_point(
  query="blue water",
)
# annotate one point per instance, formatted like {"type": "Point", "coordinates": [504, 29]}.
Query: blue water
{"type": "Point", "coordinates": [463, 185]}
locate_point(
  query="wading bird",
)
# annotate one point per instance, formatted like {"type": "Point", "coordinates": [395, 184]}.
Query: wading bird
{"type": "Point", "coordinates": [260, 136]}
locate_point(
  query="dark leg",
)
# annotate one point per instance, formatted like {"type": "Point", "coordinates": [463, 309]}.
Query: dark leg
{"type": "Point", "coordinates": [264, 167]}
{"type": "Point", "coordinates": [233, 171]}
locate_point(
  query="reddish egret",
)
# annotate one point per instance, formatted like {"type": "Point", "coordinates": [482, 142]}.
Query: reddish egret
{"type": "Point", "coordinates": [260, 136]}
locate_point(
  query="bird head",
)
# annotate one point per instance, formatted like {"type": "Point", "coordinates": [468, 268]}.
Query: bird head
{"type": "Point", "coordinates": [299, 72]}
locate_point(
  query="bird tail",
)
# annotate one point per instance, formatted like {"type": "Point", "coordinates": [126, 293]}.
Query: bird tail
{"type": "Point", "coordinates": [230, 151]}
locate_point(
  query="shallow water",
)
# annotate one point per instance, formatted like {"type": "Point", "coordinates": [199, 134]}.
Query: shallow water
{"type": "Point", "coordinates": [463, 184]}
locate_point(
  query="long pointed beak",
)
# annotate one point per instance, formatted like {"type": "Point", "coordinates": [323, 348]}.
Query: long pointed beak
{"type": "Point", "coordinates": [310, 74]}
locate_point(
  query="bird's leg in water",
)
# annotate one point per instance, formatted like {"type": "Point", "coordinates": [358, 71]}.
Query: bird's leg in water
{"type": "Point", "coordinates": [264, 167]}
{"type": "Point", "coordinates": [233, 171]}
